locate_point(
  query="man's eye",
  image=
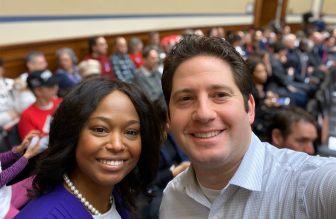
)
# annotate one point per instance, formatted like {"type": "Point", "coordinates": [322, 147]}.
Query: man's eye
{"type": "Point", "coordinates": [184, 99]}
{"type": "Point", "coordinates": [221, 95]}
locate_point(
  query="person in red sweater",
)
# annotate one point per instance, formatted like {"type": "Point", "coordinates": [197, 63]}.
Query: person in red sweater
{"type": "Point", "coordinates": [39, 115]}
{"type": "Point", "coordinates": [98, 50]}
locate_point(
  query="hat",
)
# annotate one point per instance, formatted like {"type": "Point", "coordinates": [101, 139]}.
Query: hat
{"type": "Point", "coordinates": [42, 78]}
{"type": "Point", "coordinates": [89, 67]}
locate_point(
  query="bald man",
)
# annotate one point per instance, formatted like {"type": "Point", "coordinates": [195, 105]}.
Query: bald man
{"type": "Point", "coordinates": [122, 65]}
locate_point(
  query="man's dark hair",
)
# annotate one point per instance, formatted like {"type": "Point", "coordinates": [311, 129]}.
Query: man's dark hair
{"type": "Point", "coordinates": [193, 46]}
{"type": "Point", "coordinates": [278, 46]}
{"type": "Point", "coordinates": [151, 34]}
{"type": "Point", "coordinates": [70, 119]}
{"type": "Point", "coordinates": [93, 42]}
{"type": "Point", "coordinates": [234, 38]}
{"type": "Point", "coordinates": [30, 57]}
{"type": "Point", "coordinates": [147, 50]}
{"type": "Point", "coordinates": [285, 118]}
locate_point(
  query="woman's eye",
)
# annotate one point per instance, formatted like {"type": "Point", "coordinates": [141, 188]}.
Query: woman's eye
{"type": "Point", "coordinates": [132, 132]}
{"type": "Point", "coordinates": [99, 129]}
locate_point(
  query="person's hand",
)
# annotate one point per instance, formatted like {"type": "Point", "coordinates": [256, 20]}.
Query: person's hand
{"type": "Point", "coordinates": [13, 114]}
{"type": "Point", "coordinates": [291, 88]}
{"type": "Point", "coordinates": [32, 151]}
{"type": "Point", "coordinates": [283, 59]}
{"type": "Point", "coordinates": [290, 71]}
{"type": "Point", "coordinates": [19, 84]}
{"type": "Point", "coordinates": [310, 69]}
{"type": "Point", "coordinates": [26, 141]}
{"type": "Point", "coordinates": [180, 168]}
{"type": "Point", "coordinates": [270, 94]}
{"type": "Point", "coordinates": [314, 80]}
{"type": "Point", "coordinates": [271, 102]}
{"type": "Point", "coordinates": [323, 68]}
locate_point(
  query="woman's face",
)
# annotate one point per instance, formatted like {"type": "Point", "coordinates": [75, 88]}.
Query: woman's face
{"type": "Point", "coordinates": [109, 144]}
{"type": "Point", "coordinates": [65, 61]}
{"type": "Point", "coordinates": [266, 59]}
{"type": "Point", "coordinates": [259, 75]}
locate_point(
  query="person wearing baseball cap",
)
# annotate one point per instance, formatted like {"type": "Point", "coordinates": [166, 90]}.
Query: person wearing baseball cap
{"type": "Point", "coordinates": [44, 86]}
{"type": "Point", "coordinates": [89, 69]}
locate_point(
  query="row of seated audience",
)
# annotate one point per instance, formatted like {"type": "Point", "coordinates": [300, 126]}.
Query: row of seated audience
{"type": "Point", "coordinates": [286, 70]}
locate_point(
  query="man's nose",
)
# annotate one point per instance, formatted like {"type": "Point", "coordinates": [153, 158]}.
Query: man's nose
{"type": "Point", "coordinates": [309, 149]}
{"type": "Point", "coordinates": [204, 111]}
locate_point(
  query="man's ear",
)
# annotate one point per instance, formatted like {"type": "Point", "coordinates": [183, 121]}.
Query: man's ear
{"type": "Point", "coordinates": [277, 138]}
{"type": "Point", "coordinates": [251, 109]}
{"type": "Point", "coordinates": [168, 119]}
{"type": "Point", "coordinates": [29, 65]}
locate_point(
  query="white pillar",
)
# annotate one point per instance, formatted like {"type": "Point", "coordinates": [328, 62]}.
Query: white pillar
{"type": "Point", "coordinates": [316, 7]}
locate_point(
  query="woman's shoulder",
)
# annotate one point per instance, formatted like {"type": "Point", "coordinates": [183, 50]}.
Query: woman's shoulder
{"type": "Point", "coordinates": [57, 204]}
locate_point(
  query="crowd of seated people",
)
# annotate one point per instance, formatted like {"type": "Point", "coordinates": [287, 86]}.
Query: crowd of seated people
{"type": "Point", "coordinates": [287, 69]}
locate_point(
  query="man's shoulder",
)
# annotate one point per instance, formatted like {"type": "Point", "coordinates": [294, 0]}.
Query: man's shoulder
{"type": "Point", "coordinates": [294, 160]}
{"type": "Point", "coordinates": [30, 110]}
{"type": "Point", "coordinates": [178, 184]}
{"type": "Point", "coordinates": [57, 100]}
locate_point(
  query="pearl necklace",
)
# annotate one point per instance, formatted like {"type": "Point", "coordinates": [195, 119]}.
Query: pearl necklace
{"type": "Point", "coordinates": [80, 196]}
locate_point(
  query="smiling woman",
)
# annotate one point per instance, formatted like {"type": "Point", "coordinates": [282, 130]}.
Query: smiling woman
{"type": "Point", "coordinates": [103, 152]}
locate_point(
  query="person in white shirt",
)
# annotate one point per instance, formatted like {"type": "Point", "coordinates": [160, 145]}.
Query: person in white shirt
{"type": "Point", "coordinates": [207, 88]}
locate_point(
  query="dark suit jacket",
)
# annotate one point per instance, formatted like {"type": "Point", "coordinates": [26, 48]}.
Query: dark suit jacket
{"type": "Point", "coordinates": [166, 161]}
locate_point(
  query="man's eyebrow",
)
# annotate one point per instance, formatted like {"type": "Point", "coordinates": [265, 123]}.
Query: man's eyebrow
{"type": "Point", "coordinates": [107, 119]}
{"type": "Point", "coordinates": [183, 90]}
{"type": "Point", "coordinates": [220, 86]}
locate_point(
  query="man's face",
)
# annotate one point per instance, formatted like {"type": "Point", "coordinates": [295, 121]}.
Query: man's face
{"type": "Point", "coordinates": [101, 46]}
{"type": "Point", "coordinates": [154, 39]}
{"type": "Point", "coordinates": [121, 46]}
{"type": "Point", "coordinates": [46, 92]}
{"type": "Point", "coordinates": [302, 137]}
{"type": "Point", "coordinates": [290, 44]}
{"type": "Point", "coordinates": [38, 64]}
{"type": "Point", "coordinates": [207, 115]}
{"type": "Point", "coordinates": [152, 60]}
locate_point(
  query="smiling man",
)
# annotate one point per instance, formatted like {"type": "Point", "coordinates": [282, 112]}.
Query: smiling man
{"type": "Point", "coordinates": [207, 88]}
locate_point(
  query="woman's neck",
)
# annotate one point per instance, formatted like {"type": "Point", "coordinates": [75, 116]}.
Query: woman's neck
{"type": "Point", "coordinates": [97, 195]}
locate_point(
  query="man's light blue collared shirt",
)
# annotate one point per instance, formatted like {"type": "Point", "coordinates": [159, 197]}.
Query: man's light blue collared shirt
{"type": "Point", "coordinates": [269, 183]}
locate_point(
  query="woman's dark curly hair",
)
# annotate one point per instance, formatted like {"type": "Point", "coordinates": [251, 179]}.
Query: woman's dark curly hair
{"type": "Point", "coordinates": [67, 124]}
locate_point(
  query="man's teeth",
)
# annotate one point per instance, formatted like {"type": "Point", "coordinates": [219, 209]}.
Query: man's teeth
{"type": "Point", "coordinates": [206, 135]}
{"type": "Point", "coordinates": [112, 163]}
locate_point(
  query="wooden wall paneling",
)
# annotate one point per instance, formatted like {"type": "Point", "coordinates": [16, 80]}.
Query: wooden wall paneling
{"type": "Point", "coordinates": [284, 8]}
{"type": "Point", "coordinates": [13, 55]}
{"type": "Point", "coordinates": [257, 13]}
{"type": "Point", "coordinates": [268, 11]}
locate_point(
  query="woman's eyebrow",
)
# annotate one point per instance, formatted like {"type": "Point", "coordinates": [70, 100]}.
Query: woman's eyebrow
{"type": "Point", "coordinates": [107, 119]}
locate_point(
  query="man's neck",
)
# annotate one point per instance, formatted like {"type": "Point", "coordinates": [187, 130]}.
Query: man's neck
{"type": "Point", "coordinates": [216, 178]}
{"type": "Point", "coordinates": [42, 102]}
{"type": "Point", "coordinates": [276, 56]}
{"type": "Point", "coordinates": [95, 55]}
{"type": "Point", "coordinates": [149, 69]}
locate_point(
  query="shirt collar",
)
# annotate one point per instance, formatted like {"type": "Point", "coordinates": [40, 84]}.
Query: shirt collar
{"type": "Point", "coordinates": [248, 175]}
{"type": "Point", "coordinates": [146, 72]}
{"type": "Point", "coordinates": [250, 171]}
